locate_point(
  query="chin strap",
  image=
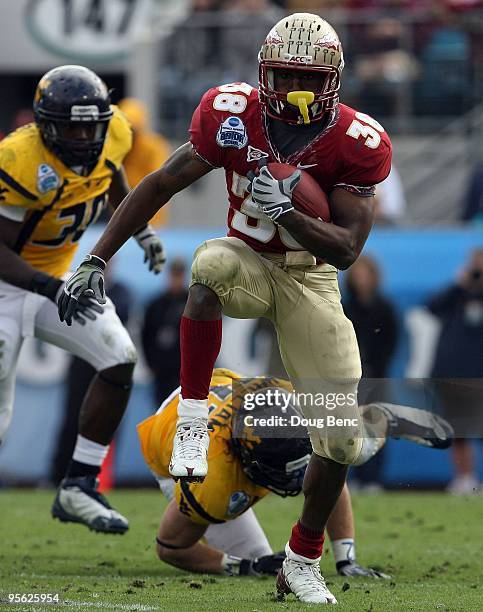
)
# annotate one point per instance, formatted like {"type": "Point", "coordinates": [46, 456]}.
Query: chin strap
{"type": "Point", "coordinates": [302, 99]}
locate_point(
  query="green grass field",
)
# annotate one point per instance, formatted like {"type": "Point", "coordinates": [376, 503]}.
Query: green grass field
{"type": "Point", "coordinates": [432, 544]}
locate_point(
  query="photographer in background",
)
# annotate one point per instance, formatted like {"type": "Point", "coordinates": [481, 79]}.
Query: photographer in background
{"type": "Point", "coordinates": [375, 322]}
{"type": "Point", "coordinates": [160, 331]}
{"type": "Point", "coordinates": [458, 366]}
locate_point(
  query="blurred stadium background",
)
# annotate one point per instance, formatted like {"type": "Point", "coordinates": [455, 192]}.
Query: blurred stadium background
{"type": "Point", "coordinates": [417, 66]}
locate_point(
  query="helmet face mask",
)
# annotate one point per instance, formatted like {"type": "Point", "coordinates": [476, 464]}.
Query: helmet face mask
{"type": "Point", "coordinates": [283, 480]}
{"type": "Point", "coordinates": [73, 151]}
{"type": "Point", "coordinates": [307, 44]}
{"type": "Point", "coordinates": [72, 110]}
{"type": "Point", "coordinates": [268, 459]}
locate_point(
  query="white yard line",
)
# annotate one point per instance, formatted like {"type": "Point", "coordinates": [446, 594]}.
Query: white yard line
{"type": "Point", "coordinates": [107, 606]}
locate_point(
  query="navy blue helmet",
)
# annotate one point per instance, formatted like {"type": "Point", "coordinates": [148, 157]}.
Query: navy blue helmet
{"type": "Point", "coordinates": [72, 108]}
{"type": "Point", "coordinates": [273, 456]}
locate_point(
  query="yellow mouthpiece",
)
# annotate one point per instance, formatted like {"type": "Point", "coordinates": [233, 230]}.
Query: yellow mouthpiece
{"type": "Point", "coordinates": [302, 99]}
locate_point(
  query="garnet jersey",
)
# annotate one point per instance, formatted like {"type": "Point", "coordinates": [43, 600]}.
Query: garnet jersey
{"type": "Point", "coordinates": [228, 130]}
{"type": "Point", "coordinates": [54, 203]}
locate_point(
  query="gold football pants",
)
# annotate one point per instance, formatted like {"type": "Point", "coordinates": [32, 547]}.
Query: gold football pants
{"type": "Point", "coordinates": [316, 340]}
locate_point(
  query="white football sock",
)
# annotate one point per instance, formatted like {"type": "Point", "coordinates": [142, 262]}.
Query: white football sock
{"type": "Point", "coordinates": [89, 452]}
{"type": "Point", "coordinates": [344, 550]}
{"type": "Point", "coordinates": [192, 408]}
{"type": "Point", "coordinates": [300, 558]}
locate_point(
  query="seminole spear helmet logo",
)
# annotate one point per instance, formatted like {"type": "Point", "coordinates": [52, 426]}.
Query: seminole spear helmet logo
{"type": "Point", "coordinates": [274, 38]}
{"type": "Point", "coordinates": [327, 41]}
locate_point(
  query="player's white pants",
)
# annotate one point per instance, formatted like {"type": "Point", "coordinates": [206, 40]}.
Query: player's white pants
{"type": "Point", "coordinates": [242, 537]}
{"type": "Point", "coordinates": [103, 343]}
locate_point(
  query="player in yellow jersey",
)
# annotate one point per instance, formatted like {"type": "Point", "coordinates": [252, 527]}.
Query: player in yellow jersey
{"type": "Point", "coordinates": [56, 176]}
{"type": "Point", "coordinates": [248, 458]}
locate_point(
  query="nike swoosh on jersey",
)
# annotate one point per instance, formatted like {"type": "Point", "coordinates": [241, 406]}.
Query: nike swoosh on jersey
{"type": "Point", "coordinates": [305, 166]}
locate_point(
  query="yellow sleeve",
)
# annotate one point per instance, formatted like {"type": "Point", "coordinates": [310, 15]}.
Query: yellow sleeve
{"type": "Point", "coordinates": [188, 496]}
{"type": "Point", "coordinates": [156, 435]}
{"type": "Point", "coordinates": [205, 502]}
{"type": "Point", "coordinates": [225, 493]}
{"type": "Point", "coordinates": [224, 376]}
{"type": "Point", "coordinates": [119, 138]}
{"type": "Point", "coordinates": [21, 170]}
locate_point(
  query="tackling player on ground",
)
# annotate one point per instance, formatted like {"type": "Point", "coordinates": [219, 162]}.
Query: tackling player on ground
{"type": "Point", "coordinates": [276, 261]}
{"type": "Point", "coordinates": [56, 176]}
{"type": "Point", "coordinates": [210, 527]}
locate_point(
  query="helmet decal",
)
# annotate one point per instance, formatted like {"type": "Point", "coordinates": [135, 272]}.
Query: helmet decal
{"type": "Point", "coordinates": [274, 38]}
{"type": "Point", "coordinates": [84, 113]}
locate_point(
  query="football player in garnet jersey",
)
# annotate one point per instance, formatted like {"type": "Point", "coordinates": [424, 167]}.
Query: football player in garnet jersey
{"type": "Point", "coordinates": [56, 176]}
{"type": "Point", "coordinates": [275, 262]}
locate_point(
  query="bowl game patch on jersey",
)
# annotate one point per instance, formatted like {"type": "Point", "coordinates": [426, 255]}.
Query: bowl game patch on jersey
{"type": "Point", "coordinates": [47, 179]}
{"type": "Point", "coordinates": [232, 133]}
{"type": "Point", "coordinates": [239, 502]}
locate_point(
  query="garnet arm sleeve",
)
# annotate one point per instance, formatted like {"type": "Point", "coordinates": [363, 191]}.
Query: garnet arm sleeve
{"type": "Point", "coordinates": [203, 130]}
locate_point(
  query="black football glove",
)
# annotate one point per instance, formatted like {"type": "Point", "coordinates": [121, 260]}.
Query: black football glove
{"type": "Point", "coordinates": [152, 246]}
{"type": "Point", "coordinates": [87, 308]}
{"type": "Point", "coordinates": [53, 288]}
{"type": "Point", "coordinates": [267, 565]}
{"type": "Point", "coordinates": [83, 289]}
{"type": "Point", "coordinates": [354, 570]}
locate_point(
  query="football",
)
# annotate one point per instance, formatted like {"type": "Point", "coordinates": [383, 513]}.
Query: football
{"type": "Point", "coordinates": [308, 197]}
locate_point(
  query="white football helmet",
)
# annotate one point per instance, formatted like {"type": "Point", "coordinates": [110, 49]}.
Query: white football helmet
{"type": "Point", "coordinates": [305, 42]}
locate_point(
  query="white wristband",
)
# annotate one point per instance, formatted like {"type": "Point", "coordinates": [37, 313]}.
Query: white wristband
{"type": "Point", "coordinates": [230, 565]}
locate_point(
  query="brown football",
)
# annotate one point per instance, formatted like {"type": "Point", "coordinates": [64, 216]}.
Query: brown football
{"type": "Point", "coordinates": [308, 197]}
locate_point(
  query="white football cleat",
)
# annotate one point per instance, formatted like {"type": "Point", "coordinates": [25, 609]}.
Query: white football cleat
{"type": "Point", "coordinates": [301, 576]}
{"type": "Point", "coordinates": [190, 449]}
{"type": "Point", "coordinates": [78, 501]}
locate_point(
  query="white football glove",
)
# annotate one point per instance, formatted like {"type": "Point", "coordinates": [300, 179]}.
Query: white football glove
{"type": "Point", "coordinates": [274, 197]}
{"type": "Point", "coordinates": [153, 249]}
{"type": "Point", "coordinates": [86, 282]}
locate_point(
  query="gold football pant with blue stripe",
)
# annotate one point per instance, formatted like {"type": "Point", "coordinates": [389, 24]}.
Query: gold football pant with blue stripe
{"type": "Point", "coordinates": [316, 340]}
